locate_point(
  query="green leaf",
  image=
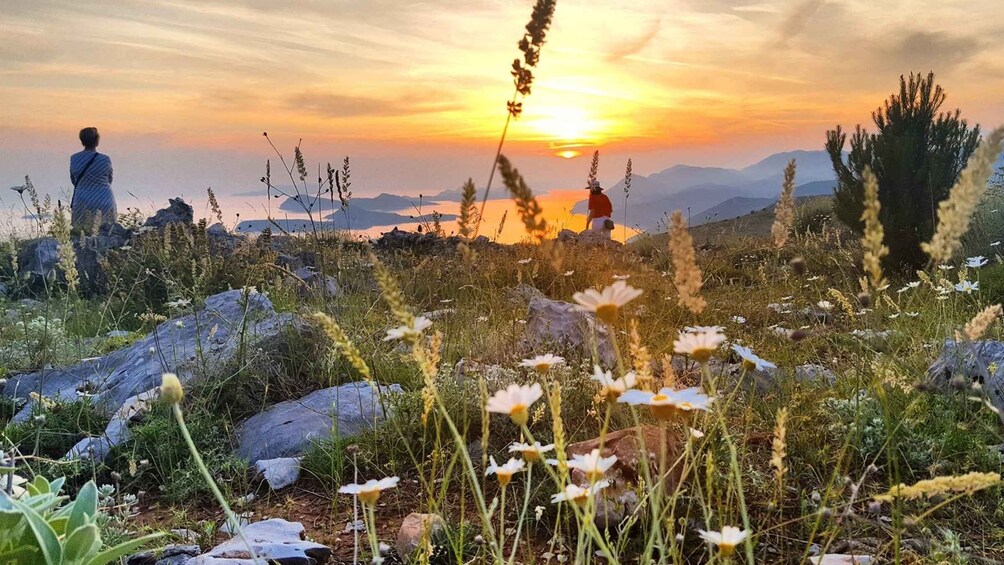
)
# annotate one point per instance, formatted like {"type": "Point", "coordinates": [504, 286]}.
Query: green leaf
{"type": "Point", "coordinates": [83, 543]}
{"type": "Point", "coordinates": [57, 485]}
{"type": "Point", "coordinates": [122, 549]}
{"type": "Point", "coordinates": [21, 554]}
{"type": "Point", "coordinates": [44, 534]}
{"type": "Point", "coordinates": [85, 507]}
{"type": "Point", "coordinates": [38, 486]}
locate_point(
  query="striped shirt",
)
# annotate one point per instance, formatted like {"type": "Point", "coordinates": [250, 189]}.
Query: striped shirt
{"type": "Point", "coordinates": [93, 192]}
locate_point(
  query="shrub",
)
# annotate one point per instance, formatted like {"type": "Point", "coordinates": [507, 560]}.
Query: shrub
{"type": "Point", "coordinates": [917, 155]}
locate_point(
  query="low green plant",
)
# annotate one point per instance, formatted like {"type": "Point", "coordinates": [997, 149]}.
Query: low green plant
{"type": "Point", "coordinates": [40, 526]}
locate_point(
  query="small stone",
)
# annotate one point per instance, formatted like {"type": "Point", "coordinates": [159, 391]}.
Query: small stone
{"type": "Point", "coordinates": [414, 527]}
{"type": "Point", "coordinates": [280, 472]}
{"type": "Point", "coordinates": [842, 559]}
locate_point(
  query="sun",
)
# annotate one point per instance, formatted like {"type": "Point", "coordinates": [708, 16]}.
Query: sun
{"type": "Point", "coordinates": [566, 124]}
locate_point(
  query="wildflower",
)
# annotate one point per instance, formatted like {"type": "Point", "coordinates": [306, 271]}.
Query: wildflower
{"type": "Point", "coordinates": [612, 388]}
{"type": "Point", "coordinates": [568, 273]}
{"type": "Point", "coordinates": [592, 464]}
{"type": "Point", "coordinates": [976, 262]}
{"type": "Point", "coordinates": [995, 244]}
{"type": "Point", "coordinates": [752, 362]}
{"type": "Point", "coordinates": [607, 303]}
{"type": "Point", "coordinates": [945, 267]}
{"type": "Point", "coordinates": [726, 540]}
{"type": "Point", "coordinates": [515, 401]}
{"type": "Point", "coordinates": [525, 261]}
{"type": "Point", "coordinates": [170, 388]}
{"type": "Point", "coordinates": [538, 512]}
{"type": "Point", "coordinates": [668, 404]}
{"type": "Point", "coordinates": [739, 320]}
{"type": "Point", "coordinates": [912, 314]}
{"type": "Point", "coordinates": [699, 344]}
{"type": "Point", "coordinates": [531, 452]}
{"type": "Point", "coordinates": [814, 278]}
{"type": "Point", "coordinates": [695, 433]}
{"type": "Point", "coordinates": [825, 305]}
{"type": "Point", "coordinates": [621, 277]}
{"type": "Point", "coordinates": [504, 472]}
{"type": "Point", "coordinates": [413, 331]}
{"type": "Point", "coordinates": [967, 287]}
{"type": "Point", "coordinates": [687, 276]}
{"type": "Point", "coordinates": [542, 363]}
{"type": "Point", "coordinates": [369, 491]}
{"type": "Point", "coordinates": [579, 495]}
{"type": "Point", "coordinates": [179, 303]}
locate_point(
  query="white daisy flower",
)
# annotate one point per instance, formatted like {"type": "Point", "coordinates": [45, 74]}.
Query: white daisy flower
{"type": "Point", "coordinates": [699, 344]}
{"type": "Point", "coordinates": [420, 324]}
{"type": "Point", "coordinates": [579, 495]}
{"type": "Point", "coordinates": [505, 471]}
{"type": "Point", "coordinates": [542, 363]}
{"type": "Point", "coordinates": [531, 452]}
{"type": "Point", "coordinates": [945, 267]}
{"type": "Point", "coordinates": [967, 287]}
{"type": "Point", "coordinates": [369, 491]}
{"type": "Point", "coordinates": [592, 464]}
{"type": "Point", "coordinates": [726, 540]}
{"type": "Point", "coordinates": [751, 361]}
{"type": "Point", "coordinates": [568, 273]}
{"type": "Point", "coordinates": [739, 320]}
{"type": "Point", "coordinates": [515, 401]}
{"type": "Point", "coordinates": [608, 302]}
{"type": "Point", "coordinates": [976, 262]}
{"type": "Point", "coordinates": [525, 261]}
{"type": "Point", "coordinates": [912, 314]}
{"type": "Point", "coordinates": [179, 303]}
{"type": "Point", "coordinates": [825, 305]}
{"type": "Point", "coordinates": [668, 404]}
{"type": "Point", "coordinates": [612, 388]}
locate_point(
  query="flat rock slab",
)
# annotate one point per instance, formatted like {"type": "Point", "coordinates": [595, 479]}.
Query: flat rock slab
{"type": "Point", "coordinates": [202, 342]}
{"type": "Point", "coordinates": [970, 362]}
{"type": "Point", "coordinates": [279, 473]}
{"type": "Point", "coordinates": [289, 428]}
{"type": "Point", "coordinates": [274, 541]}
{"type": "Point", "coordinates": [842, 559]}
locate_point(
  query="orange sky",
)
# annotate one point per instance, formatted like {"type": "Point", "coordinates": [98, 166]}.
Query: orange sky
{"type": "Point", "coordinates": [415, 91]}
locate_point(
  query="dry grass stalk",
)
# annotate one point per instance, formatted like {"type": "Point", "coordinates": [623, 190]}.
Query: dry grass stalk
{"type": "Point", "coordinates": [467, 209]}
{"type": "Point", "coordinates": [687, 275]}
{"type": "Point", "coordinates": [956, 211]}
{"type": "Point", "coordinates": [784, 210]}
{"type": "Point", "coordinates": [779, 444]}
{"type": "Point", "coordinates": [875, 250]}
{"type": "Point", "coordinates": [343, 344]}
{"type": "Point", "coordinates": [978, 326]}
{"type": "Point", "coordinates": [60, 230]}
{"type": "Point", "coordinates": [968, 484]}
{"type": "Point", "coordinates": [527, 206]}
{"type": "Point", "coordinates": [641, 358]}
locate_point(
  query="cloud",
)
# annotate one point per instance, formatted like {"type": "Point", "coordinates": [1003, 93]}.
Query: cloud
{"type": "Point", "coordinates": [345, 106]}
{"type": "Point", "coordinates": [631, 47]}
{"type": "Point", "coordinates": [922, 51]}
{"type": "Point", "coordinates": [798, 18]}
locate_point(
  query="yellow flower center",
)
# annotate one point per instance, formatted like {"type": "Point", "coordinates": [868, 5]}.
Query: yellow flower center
{"type": "Point", "coordinates": [531, 456]}
{"type": "Point", "coordinates": [607, 313]}
{"type": "Point", "coordinates": [664, 412]}
{"type": "Point", "coordinates": [581, 499]}
{"type": "Point", "coordinates": [369, 496]}
{"type": "Point", "coordinates": [726, 549]}
{"type": "Point", "coordinates": [504, 477]}
{"type": "Point", "coordinates": [594, 475]}
{"type": "Point", "coordinates": [749, 365]}
{"type": "Point", "coordinates": [702, 354]}
{"type": "Point", "coordinates": [542, 368]}
{"type": "Point", "coordinates": [520, 414]}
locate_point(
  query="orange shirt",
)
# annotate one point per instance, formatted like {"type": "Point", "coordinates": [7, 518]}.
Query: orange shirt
{"type": "Point", "coordinates": [600, 205]}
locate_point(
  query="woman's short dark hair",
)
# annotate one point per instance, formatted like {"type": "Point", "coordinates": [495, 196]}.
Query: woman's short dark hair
{"type": "Point", "coordinates": [89, 136]}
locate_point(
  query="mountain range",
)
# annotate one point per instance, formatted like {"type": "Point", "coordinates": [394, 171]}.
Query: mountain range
{"type": "Point", "coordinates": [716, 193]}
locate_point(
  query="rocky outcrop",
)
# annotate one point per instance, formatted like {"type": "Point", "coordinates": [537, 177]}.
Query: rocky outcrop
{"type": "Point", "coordinates": [273, 541]}
{"type": "Point", "coordinates": [96, 448]}
{"type": "Point", "coordinates": [177, 212]}
{"type": "Point", "coordinates": [196, 344]}
{"type": "Point", "coordinates": [309, 279]}
{"type": "Point", "coordinates": [426, 242]}
{"type": "Point", "coordinates": [287, 429]}
{"type": "Point", "coordinates": [553, 323]}
{"type": "Point", "coordinates": [587, 238]}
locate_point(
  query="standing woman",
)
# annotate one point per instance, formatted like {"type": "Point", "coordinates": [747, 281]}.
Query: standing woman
{"type": "Point", "coordinates": [600, 211]}
{"type": "Point", "coordinates": [91, 175]}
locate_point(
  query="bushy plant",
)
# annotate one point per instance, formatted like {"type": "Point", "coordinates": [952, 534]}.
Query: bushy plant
{"type": "Point", "coordinates": [917, 155]}
{"type": "Point", "coordinates": [40, 526]}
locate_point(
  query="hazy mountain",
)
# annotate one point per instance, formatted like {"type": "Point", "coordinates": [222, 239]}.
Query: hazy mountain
{"type": "Point", "coordinates": [457, 194]}
{"type": "Point", "coordinates": [357, 219]}
{"type": "Point", "coordinates": [383, 202]}
{"type": "Point", "coordinates": [731, 208]}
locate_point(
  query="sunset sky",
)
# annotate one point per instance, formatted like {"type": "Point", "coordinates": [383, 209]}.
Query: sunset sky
{"type": "Point", "coordinates": [415, 92]}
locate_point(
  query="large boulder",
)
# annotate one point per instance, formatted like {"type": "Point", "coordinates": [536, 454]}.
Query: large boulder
{"type": "Point", "coordinates": [273, 541]}
{"type": "Point", "coordinates": [177, 212]}
{"type": "Point", "coordinates": [201, 343]}
{"type": "Point", "coordinates": [288, 428]}
{"type": "Point", "coordinates": [415, 529]}
{"type": "Point", "coordinates": [96, 448]}
{"type": "Point", "coordinates": [967, 362]}
{"type": "Point", "coordinates": [551, 323]}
